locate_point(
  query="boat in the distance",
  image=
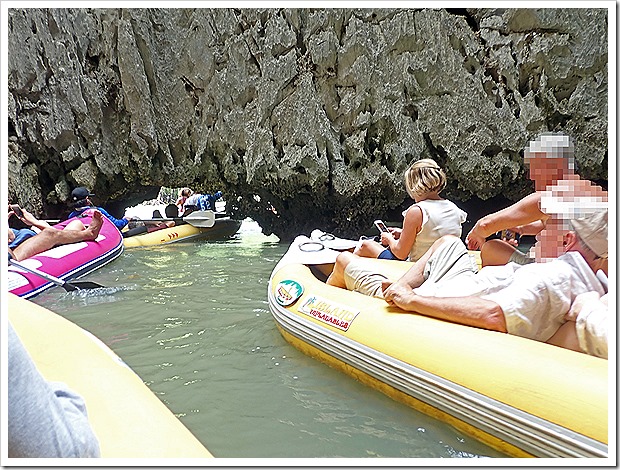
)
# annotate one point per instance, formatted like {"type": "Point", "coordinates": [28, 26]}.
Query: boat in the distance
{"type": "Point", "coordinates": [184, 230]}
{"type": "Point", "coordinates": [66, 262]}
{"type": "Point", "coordinates": [522, 397]}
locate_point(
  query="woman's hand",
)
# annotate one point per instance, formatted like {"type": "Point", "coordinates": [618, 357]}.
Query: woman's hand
{"type": "Point", "coordinates": [395, 231]}
{"type": "Point", "coordinates": [386, 238]}
{"type": "Point", "coordinates": [28, 218]}
{"type": "Point", "coordinates": [510, 236]}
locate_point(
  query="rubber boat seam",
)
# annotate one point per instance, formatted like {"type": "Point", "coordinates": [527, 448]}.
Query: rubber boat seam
{"type": "Point", "coordinates": [517, 427]}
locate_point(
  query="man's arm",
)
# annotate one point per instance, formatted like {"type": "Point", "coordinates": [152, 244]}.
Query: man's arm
{"type": "Point", "coordinates": [533, 228]}
{"type": "Point", "coordinates": [525, 211]}
{"type": "Point", "coordinates": [32, 221]}
{"type": "Point", "coordinates": [471, 311]}
{"type": "Point", "coordinates": [120, 223]}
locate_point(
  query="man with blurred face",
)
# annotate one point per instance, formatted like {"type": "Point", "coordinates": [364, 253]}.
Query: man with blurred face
{"type": "Point", "coordinates": [560, 195]}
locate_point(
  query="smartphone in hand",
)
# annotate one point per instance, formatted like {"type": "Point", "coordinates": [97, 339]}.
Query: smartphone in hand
{"type": "Point", "coordinates": [510, 236]}
{"type": "Point", "coordinates": [18, 210]}
{"type": "Point", "coordinates": [381, 226]}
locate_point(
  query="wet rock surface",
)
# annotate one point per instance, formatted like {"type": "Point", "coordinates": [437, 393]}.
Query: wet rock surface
{"type": "Point", "coordinates": [305, 118]}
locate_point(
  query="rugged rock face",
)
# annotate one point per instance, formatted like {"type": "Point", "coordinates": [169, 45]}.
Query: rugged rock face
{"type": "Point", "coordinates": [305, 118]}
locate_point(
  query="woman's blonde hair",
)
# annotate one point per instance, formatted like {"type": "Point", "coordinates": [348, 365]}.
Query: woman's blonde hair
{"type": "Point", "coordinates": [424, 176]}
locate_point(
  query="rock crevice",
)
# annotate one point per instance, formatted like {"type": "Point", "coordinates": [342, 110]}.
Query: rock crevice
{"type": "Point", "coordinates": [304, 117]}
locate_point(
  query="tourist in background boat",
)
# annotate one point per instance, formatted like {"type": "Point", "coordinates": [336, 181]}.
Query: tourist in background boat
{"type": "Point", "coordinates": [184, 193]}
{"type": "Point", "coordinates": [18, 235]}
{"type": "Point", "coordinates": [202, 202]}
{"type": "Point", "coordinates": [81, 202]}
{"type": "Point", "coordinates": [45, 419]}
{"type": "Point", "coordinates": [428, 219]}
{"type": "Point", "coordinates": [137, 226]}
{"type": "Point", "coordinates": [21, 247]}
{"type": "Point", "coordinates": [526, 300]}
{"type": "Point", "coordinates": [559, 194]}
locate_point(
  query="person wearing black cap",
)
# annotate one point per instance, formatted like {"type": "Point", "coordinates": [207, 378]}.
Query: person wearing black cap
{"type": "Point", "coordinates": [81, 201]}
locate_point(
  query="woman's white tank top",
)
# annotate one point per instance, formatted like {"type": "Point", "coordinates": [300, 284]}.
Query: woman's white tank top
{"type": "Point", "coordinates": [439, 217]}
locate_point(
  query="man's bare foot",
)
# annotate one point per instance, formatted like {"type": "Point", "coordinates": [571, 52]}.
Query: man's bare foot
{"type": "Point", "coordinates": [95, 225]}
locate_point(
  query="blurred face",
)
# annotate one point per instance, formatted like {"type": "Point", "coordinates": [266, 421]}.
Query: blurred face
{"type": "Point", "coordinates": [550, 241]}
{"type": "Point", "coordinates": [546, 171]}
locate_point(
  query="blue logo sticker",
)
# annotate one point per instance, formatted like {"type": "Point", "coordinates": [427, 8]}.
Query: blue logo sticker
{"type": "Point", "coordinates": [288, 291]}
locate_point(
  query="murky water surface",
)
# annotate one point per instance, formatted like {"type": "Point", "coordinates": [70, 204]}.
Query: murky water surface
{"type": "Point", "coordinates": [192, 320]}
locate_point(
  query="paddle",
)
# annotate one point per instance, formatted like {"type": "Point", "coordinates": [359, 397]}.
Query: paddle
{"type": "Point", "coordinates": [68, 286]}
{"type": "Point", "coordinates": [202, 219]}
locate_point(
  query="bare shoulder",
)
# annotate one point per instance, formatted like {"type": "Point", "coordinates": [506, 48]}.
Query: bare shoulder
{"type": "Point", "coordinates": [413, 213]}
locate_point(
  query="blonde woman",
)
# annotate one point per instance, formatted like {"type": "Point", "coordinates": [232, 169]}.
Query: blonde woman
{"type": "Point", "coordinates": [430, 218]}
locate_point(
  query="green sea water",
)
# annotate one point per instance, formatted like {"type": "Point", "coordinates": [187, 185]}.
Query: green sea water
{"type": "Point", "coordinates": [192, 320]}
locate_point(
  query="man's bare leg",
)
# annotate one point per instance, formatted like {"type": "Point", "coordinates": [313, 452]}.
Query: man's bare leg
{"type": "Point", "coordinates": [50, 237]}
{"type": "Point", "coordinates": [336, 278]}
{"type": "Point", "coordinates": [76, 224]}
{"type": "Point", "coordinates": [412, 278]}
{"type": "Point", "coordinates": [369, 249]}
{"type": "Point", "coordinates": [496, 253]}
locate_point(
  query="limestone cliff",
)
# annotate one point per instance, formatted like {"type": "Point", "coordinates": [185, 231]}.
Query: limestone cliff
{"type": "Point", "coordinates": [303, 117]}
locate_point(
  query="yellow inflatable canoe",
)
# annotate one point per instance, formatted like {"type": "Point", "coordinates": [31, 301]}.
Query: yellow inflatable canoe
{"type": "Point", "coordinates": [222, 229]}
{"type": "Point", "coordinates": [521, 397]}
{"type": "Point", "coordinates": [128, 419]}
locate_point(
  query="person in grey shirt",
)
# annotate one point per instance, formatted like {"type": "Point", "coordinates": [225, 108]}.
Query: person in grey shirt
{"type": "Point", "coordinates": [45, 419]}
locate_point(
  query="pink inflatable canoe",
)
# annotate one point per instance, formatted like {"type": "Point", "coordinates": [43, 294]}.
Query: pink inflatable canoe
{"type": "Point", "coordinates": [67, 262]}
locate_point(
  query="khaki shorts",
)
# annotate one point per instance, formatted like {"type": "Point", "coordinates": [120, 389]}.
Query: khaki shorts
{"type": "Point", "coordinates": [362, 277]}
{"type": "Point", "coordinates": [449, 261]}
{"type": "Point", "coordinates": [520, 258]}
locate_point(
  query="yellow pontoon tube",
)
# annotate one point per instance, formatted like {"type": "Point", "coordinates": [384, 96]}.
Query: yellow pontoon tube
{"type": "Point", "coordinates": [522, 397]}
{"type": "Point", "coordinates": [127, 418]}
{"type": "Point", "coordinates": [223, 228]}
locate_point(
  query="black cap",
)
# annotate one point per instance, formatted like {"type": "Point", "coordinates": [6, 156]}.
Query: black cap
{"type": "Point", "coordinates": [80, 193]}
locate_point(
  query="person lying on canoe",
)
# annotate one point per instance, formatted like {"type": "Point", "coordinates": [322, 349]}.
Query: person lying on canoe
{"type": "Point", "coordinates": [29, 220]}
{"type": "Point", "coordinates": [525, 300]}
{"type": "Point", "coordinates": [202, 202]}
{"type": "Point", "coordinates": [137, 226]}
{"type": "Point", "coordinates": [428, 219]}
{"type": "Point", "coordinates": [81, 202]}
{"type": "Point", "coordinates": [48, 237]}
{"type": "Point", "coordinates": [551, 161]}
